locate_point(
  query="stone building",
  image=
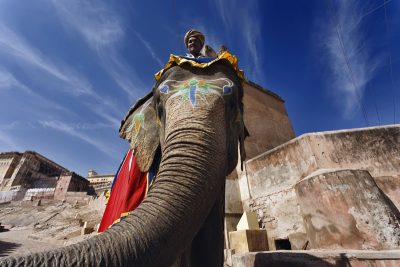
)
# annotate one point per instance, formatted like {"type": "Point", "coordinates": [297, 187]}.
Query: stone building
{"type": "Point", "coordinates": [30, 175]}
{"type": "Point", "coordinates": [27, 170]}
{"type": "Point", "coordinates": [100, 182]}
{"type": "Point", "coordinates": [71, 182]}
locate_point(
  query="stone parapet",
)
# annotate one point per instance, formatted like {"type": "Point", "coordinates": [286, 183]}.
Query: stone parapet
{"type": "Point", "coordinates": [346, 209]}
{"type": "Point", "coordinates": [267, 182]}
{"type": "Point", "coordinates": [375, 149]}
{"type": "Point", "coordinates": [327, 258]}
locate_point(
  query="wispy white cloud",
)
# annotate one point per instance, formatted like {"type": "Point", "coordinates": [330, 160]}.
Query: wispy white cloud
{"type": "Point", "coordinates": [243, 17]}
{"type": "Point", "coordinates": [73, 83]}
{"type": "Point", "coordinates": [7, 143]}
{"type": "Point", "coordinates": [102, 29]}
{"type": "Point", "coordinates": [101, 111]}
{"type": "Point", "coordinates": [351, 65]}
{"type": "Point", "coordinates": [78, 126]}
{"type": "Point", "coordinates": [92, 19]}
{"type": "Point", "coordinates": [9, 82]}
{"type": "Point", "coordinates": [149, 48]}
{"type": "Point", "coordinates": [14, 45]}
{"type": "Point", "coordinates": [17, 125]}
{"type": "Point", "coordinates": [76, 131]}
{"type": "Point", "coordinates": [123, 74]}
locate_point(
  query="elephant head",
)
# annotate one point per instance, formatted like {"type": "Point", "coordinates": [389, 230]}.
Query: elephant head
{"type": "Point", "coordinates": [194, 116]}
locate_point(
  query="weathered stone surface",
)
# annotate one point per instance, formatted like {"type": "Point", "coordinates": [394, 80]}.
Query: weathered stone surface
{"type": "Point", "coordinates": [248, 240]}
{"type": "Point", "coordinates": [266, 120]}
{"type": "Point", "coordinates": [376, 149]}
{"type": "Point", "coordinates": [346, 209]}
{"type": "Point", "coordinates": [298, 241]}
{"type": "Point", "coordinates": [38, 203]}
{"type": "Point", "coordinates": [86, 229]}
{"type": "Point", "coordinates": [231, 220]}
{"type": "Point", "coordinates": [279, 214]}
{"type": "Point", "coordinates": [340, 258]}
{"type": "Point", "coordinates": [233, 206]}
{"type": "Point", "coordinates": [390, 185]}
{"type": "Point", "coordinates": [233, 203]}
{"type": "Point", "coordinates": [228, 253]}
{"type": "Point", "coordinates": [267, 182]}
{"type": "Point", "coordinates": [248, 221]}
{"type": "Point", "coordinates": [72, 184]}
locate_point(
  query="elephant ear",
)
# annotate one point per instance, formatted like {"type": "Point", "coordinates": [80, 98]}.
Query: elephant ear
{"type": "Point", "coordinates": [141, 128]}
{"type": "Point", "coordinates": [242, 129]}
{"type": "Point", "coordinates": [238, 130]}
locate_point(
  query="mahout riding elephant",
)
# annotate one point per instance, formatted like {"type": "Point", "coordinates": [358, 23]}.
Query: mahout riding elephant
{"type": "Point", "coordinates": [194, 117]}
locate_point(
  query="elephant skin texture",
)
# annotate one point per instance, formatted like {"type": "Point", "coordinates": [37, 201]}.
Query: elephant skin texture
{"type": "Point", "coordinates": [198, 124]}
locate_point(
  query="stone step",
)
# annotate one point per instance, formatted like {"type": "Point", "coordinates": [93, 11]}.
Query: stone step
{"type": "Point", "coordinates": [318, 258]}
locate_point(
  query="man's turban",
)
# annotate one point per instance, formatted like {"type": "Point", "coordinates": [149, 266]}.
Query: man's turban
{"type": "Point", "coordinates": [194, 33]}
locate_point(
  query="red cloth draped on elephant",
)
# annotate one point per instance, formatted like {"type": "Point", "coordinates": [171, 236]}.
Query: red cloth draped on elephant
{"type": "Point", "coordinates": [129, 188]}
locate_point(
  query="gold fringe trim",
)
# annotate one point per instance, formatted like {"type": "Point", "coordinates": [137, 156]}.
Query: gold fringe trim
{"type": "Point", "coordinates": [178, 60]}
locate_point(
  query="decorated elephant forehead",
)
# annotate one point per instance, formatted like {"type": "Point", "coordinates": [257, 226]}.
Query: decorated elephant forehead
{"type": "Point", "coordinates": [191, 89]}
{"type": "Point", "coordinates": [140, 120]}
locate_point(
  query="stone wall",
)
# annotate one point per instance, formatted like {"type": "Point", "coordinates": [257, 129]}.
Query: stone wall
{"type": "Point", "coordinates": [68, 182]}
{"type": "Point", "coordinates": [233, 205]}
{"type": "Point", "coordinates": [39, 193]}
{"type": "Point", "coordinates": [345, 209]}
{"type": "Point", "coordinates": [98, 203]}
{"type": "Point", "coordinates": [62, 187]}
{"type": "Point", "coordinates": [78, 183]}
{"type": "Point", "coordinates": [375, 149]}
{"type": "Point", "coordinates": [7, 196]}
{"type": "Point", "coordinates": [266, 120]}
{"type": "Point", "coordinates": [267, 184]}
{"type": "Point", "coordinates": [8, 163]}
{"type": "Point", "coordinates": [77, 196]}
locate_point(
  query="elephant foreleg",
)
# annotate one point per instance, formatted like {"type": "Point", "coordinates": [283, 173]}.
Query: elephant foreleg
{"type": "Point", "coordinates": [207, 246]}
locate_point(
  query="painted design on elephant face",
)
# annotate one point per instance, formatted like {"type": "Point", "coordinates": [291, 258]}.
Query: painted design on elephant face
{"type": "Point", "coordinates": [191, 89]}
{"type": "Point", "coordinates": [138, 121]}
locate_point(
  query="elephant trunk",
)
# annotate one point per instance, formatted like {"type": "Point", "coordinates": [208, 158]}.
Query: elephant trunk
{"type": "Point", "coordinates": [191, 175]}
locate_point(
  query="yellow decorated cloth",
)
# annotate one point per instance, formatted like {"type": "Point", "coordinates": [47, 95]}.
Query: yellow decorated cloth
{"type": "Point", "coordinates": [178, 60]}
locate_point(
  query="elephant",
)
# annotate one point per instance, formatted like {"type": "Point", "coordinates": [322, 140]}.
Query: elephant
{"type": "Point", "coordinates": [194, 116]}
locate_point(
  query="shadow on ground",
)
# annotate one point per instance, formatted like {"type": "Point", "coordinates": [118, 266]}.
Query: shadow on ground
{"type": "Point", "coordinates": [297, 260]}
{"type": "Point", "coordinates": [7, 247]}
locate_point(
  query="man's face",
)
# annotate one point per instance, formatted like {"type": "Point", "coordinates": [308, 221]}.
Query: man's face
{"type": "Point", "coordinates": [194, 46]}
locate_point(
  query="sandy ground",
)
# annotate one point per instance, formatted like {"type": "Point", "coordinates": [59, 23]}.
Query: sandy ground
{"type": "Point", "coordinates": [31, 228]}
{"type": "Point", "coordinates": [15, 242]}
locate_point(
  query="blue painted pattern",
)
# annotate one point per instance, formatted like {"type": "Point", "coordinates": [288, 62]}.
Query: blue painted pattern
{"type": "Point", "coordinates": [192, 88]}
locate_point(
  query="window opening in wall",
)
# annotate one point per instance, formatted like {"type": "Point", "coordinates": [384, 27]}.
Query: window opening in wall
{"type": "Point", "coordinates": [283, 244]}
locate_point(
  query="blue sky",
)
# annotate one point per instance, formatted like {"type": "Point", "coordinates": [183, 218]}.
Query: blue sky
{"type": "Point", "coordinates": [69, 70]}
